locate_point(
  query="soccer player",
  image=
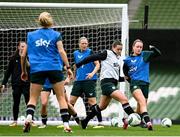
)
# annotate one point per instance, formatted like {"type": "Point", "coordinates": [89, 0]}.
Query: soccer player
{"type": "Point", "coordinates": [45, 51]}
{"type": "Point", "coordinates": [109, 76]}
{"type": "Point", "coordinates": [19, 87]}
{"type": "Point", "coordinates": [85, 76]}
{"type": "Point", "coordinates": [45, 93]}
{"type": "Point", "coordinates": [136, 70]}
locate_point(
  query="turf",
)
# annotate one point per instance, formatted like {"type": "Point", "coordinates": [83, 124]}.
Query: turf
{"type": "Point", "coordinates": [77, 131]}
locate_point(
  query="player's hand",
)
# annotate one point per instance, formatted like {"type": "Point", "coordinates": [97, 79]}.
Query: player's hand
{"type": "Point", "coordinates": [24, 76]}
{"type": "Point", "coordinates": [89, 76]}
{"type": "Point", "coordinates": [2, 88]}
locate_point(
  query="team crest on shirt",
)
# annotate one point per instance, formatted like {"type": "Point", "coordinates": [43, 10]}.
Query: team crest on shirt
{"type": "Point", "coordinates": [133, 61]}
{"type": "Point", "coordinates": [113, 87]}
{"type": "Point", "coordinates": [90, 94]}
{"type": "Point", "coordinates": [134, 87]}
{"type": "Point", "coordinates": [115, 64]}
{"type": "Point", "coordinates": [42, 42]}
{"type": "Point", "coordinates": [80, 56]}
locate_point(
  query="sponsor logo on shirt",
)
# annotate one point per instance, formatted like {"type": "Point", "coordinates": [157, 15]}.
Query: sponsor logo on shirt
{"type": "Point", "coordinates": [133, 69]}
{"type": "Point", "coordinates": [42, 42]}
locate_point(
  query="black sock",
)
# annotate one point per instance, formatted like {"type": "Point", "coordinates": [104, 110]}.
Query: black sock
{"type": "Point", "coordinates": [76, 118]}
{"type": "Point", "coordinates": [146, 117]}
{"type": "Point", "coordinates": [30, 110]}
{"type": "Point", "coordinates": [94, 111]}
{"type": "Point", "coordinates": [44, 119]}
{"type": "Point", "coordinates": [127, 108]}
{"type": "Point", "coordinates": [99, 117]}
{"type": "Point", "coordinates": [64, 115]}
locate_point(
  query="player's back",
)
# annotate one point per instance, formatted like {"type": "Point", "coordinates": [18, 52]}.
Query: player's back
{"type": "Point", "coordinates": [42, 50]}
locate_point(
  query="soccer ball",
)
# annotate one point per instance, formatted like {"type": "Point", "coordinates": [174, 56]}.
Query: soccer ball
{"type": "Point", "coordinates": [21, 118]}
{"type": "Point", "coordinates": [134, 119]}
{"type": "Point", "coordinates": [115, 122]}
{"type": "Point", "coordinates": [166, 122]}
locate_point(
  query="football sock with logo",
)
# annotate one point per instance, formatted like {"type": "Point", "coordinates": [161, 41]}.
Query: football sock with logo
{"type": "Point", "coordinates": [30, 111]}
{"type": "Point", "coordinates": [94, 111]}
{"type": "Point", "coordinates": [146, 117]}
{"type": "Point", "coordinates": [127, 108]}
{"type": "Point", "coordinates": [65, 116]}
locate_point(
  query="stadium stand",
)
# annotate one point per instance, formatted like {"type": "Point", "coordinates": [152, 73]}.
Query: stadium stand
{"type": "Point", "coordinates": [165, 81]}
{"type": "Point", "coordinates": [164, 75]}
{"type": "Point", "coordinates": [166, 107]}
{"type": "Point", "coordinates": [162, 14]}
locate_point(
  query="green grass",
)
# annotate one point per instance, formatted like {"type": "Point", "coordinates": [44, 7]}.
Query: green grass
{"type": "Point", "coordinates": [77, 131]}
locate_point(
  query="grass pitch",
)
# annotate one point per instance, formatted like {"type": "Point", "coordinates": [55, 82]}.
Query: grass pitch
{"type": "Point", "coordinates": [90, 131]}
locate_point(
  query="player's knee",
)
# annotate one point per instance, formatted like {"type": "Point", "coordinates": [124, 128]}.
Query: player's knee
{"type": "Point", "coordinates": [44, 104]}
{"type": "Point", "coordinates": [92, 101]}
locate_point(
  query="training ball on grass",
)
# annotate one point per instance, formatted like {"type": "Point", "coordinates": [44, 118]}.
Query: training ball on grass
{"type": "Point", "coordinates": [115, 122]}
{"type": "Point", "coordinates": [166, 122]}
{"type": "Point", "coordinates": [21, 118]}
{"type": "Point", "coordinates": [134, 119]}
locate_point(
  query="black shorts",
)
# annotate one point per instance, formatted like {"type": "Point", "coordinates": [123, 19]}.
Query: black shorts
{"type": "Point", "coordinates": [54, 76]}
{"type": "Point", "coordinates": [108, 88]}
{"type": "Point", "coordinates": [48, 90]}
{"type": "Point", "coordinates": [144, 86]}
{"type": "Point", "coordinates": [87, 87]}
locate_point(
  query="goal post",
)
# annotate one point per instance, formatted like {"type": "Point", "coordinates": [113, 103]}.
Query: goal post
{"type": "Point", "coordinates": [100, 23]}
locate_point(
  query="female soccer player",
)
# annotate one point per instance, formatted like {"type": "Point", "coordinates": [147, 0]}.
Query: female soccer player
{"type": "Point", "coordinates": [109, 76]}
{"type": "Point", "coordinates": [45, 93]}
{"type": "Point", "coordinates": [45, 51]}
{"type": "Point", "coordinates": [85, 76]}
{"type": "Point", "coordinates": [136, 70]}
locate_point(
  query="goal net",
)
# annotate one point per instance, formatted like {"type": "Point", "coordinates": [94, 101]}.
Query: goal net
{"type": "Point", "coordinates": [100, 23]}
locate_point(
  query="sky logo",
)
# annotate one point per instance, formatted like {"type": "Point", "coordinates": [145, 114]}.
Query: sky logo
{"type": "Point", "coordinates": [42, 42]}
